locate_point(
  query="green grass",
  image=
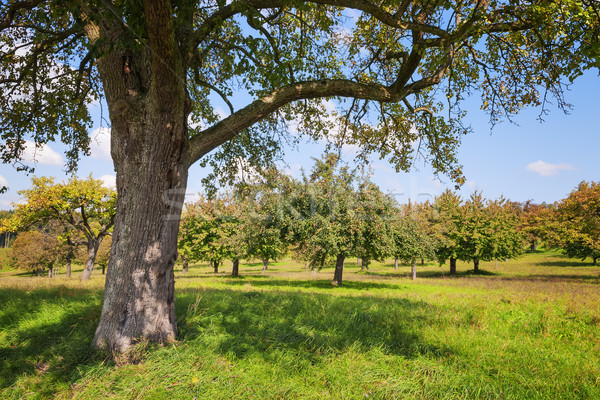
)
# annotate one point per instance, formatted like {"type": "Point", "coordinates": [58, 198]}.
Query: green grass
{"type": "Point", "coordinates": [526, 329]}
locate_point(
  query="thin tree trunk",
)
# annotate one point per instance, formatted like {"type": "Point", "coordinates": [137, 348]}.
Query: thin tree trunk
{"type": "Point", "coordinates": [496, 263]}
{"type": "Point", "coordinates": [422, 261]}
{"type": "Point", "coordinates": [265, 265]}
{"type": "Point", "coordinates": [594, 260]}
{"type": "Point", "coordinates": [235, 268]}
{"type": "Point", "coordinates": [396, 263]}
{"type": "Point", "coordinates": [93, 246]}
{"type": "Point", "coordinates": [339, 270]}
{"type": "Point", "coordinates": [476, 265]}
{"type": "Point", "coordinates": [49, 272]}
{"type": "Point", "coordinates": [413, 268]}
{"type": "Point", "coordinates": [103, 269]}
{"type": "Point", "coordinates": [215, 265]}
{"type": "Point", "coordinates": [68, 263]}
{"type": "Point", "coordinates": [358, 261]}
{"type": "Point", "coordinates": [452, 266]}
{"type": "Point", "coordinates": [186, 265]}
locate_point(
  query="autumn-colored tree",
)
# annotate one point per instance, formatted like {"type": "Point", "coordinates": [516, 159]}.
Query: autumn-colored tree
{"type": "Point", "coordinates": [577, 227]}
{"type": "Point", "coordinates": [35, 251]}
{"type": "Point", "coordinates": [82, 205]}
{"type": "Point", "coordinates": [5, 237]}
{"type": "Point", "coordinates": [536, 222]}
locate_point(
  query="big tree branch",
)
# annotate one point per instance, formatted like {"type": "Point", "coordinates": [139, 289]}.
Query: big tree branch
{"type": "Point", "coordinates": [229, 127]}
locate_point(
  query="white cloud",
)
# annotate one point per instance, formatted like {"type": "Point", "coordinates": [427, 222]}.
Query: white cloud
{"type": "Point", "coordinates": [3, 181]}
{"type": "Point", "coordinates": [110, 181]}
{"type": "Point", "coordinates": [41, 155]}
{"type": "Point", "coordinates": [100, 143]}
{"type": "Point", "coordinates": [436, 183]}
{"type": "Point", "coordinates": [548, 169]}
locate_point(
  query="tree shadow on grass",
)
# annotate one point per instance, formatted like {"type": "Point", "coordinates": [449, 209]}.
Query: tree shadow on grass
{"type": "Point", "coordinates": [555, 278]}
{"type": "Point", "coordinates": [314, 284]}
{"type": "Point", "coordinates": [47, 332]}
{"type": "Point", "coordinates": [431, 274]}
{"type": "Point", "coordinates": [567, 263]}
{"type": "Point", "coordinates": [308, 326]}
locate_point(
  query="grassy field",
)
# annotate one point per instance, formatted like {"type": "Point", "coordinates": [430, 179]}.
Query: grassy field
{"type": "Point", "coordinates": [524, 329]}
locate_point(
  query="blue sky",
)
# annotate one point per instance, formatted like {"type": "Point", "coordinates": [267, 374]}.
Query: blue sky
{"type": "Point", "coordinates": [531, 160]}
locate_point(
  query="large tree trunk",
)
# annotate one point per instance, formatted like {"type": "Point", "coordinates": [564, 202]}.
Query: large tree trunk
{"type": "Point", "coordinates": [413, 269]}
{"type": "Point", "coordinates": [139, 298]}
{"type": "Point", "coordinates": [339, 269]}
{"type": "Point", "coordinates": [452, 266]}
{"type": "Point", "coordinates": [145, 90]}
{"type": "Point", "coordinates": [235, 268]}
{"type": "Point", "coordinates": [92, 246]}
{"type": "Point", "coordinates": [476, 265]}
{"type": "Point", "coordinates": [265, 265]}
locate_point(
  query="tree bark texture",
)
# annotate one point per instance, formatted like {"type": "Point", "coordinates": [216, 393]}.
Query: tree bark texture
{"type": "Point", "coordinates": [235, 267]}
{"type": "Point", "coordinates": [452, 266]}
{"type": "Point", "coordinates": [139, 300]}
{"type": "Point", "coordinates": [339, 269]}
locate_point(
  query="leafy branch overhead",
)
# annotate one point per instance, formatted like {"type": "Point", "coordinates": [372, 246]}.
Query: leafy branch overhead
{"type": "Point", "coordinates": [399, 68]}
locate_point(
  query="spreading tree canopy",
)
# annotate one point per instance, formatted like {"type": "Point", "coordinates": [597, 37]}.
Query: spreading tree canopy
{"type": "Point", "coordinates": [400, 69]}
{"type": "Point", "coordinates": [577, 222]}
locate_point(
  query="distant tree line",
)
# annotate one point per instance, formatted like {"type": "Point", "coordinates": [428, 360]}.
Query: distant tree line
{"type": "Point", "coordinates": [334, 213]}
